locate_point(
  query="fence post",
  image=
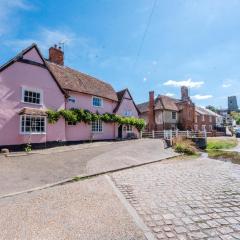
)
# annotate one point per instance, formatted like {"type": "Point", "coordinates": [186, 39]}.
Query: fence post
{"type": "Point", "coordinates": [141, 134]}
{"type": "Point", "coordinates": [176, 133]}
{"type": "Point", "coordinates": [153, 134]}
{"type": "Point", "coordinates": [171, 137]}
{"type": "Point", "coordinates": [187, 134]}
{"type": "Point", "coordinates": [205, 134]}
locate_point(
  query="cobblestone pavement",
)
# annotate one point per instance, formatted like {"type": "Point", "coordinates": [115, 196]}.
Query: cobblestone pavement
{"type": "Point", "coordinates": [185, 199]}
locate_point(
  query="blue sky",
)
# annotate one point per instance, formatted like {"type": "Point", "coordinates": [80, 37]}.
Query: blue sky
{"type": "Point", "coordinates": [196, 43]}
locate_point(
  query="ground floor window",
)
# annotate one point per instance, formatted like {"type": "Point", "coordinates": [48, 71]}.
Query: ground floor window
{"type": "Point", "coordinates": [33, 124]}
{"type": "Point", "coordinates": [203, 128]}
{"type": "Point", "coordinates": [128, 128]}
{"type": "Point", "coordinates": [97, 126]}
{"type": "Point", "coordinates": [210, 127]}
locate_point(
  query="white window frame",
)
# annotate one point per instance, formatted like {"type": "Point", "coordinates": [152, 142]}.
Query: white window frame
{"type": "Point", "coordinates": [196, 128]}
{"type": "Point", "coordinates": [175, 114]}
{"type": "Point", "coordinates": [99, 126]}
{"type": "Point", "coordinates": [32, 90]}
{"type": "Point", "coordinates": [23, 117]}
{"type": "Point", "coordinates": [203, 118]}
{"type": "Point", "coordinates": [128, 128]}
{"type": "Point", "coordinates": [100, 100]}
{"type": "Point", "coordinates": [210, 119]}
{"type": "Point", "coordinates": [210, 128]}
{"type": "Point", "coordinates": [203, 128]}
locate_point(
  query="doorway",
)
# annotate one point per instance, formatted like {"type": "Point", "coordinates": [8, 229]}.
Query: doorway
{"type": "Point", "coordinates": [120, 129]}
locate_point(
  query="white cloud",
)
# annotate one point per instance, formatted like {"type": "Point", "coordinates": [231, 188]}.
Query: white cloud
{"type": "Point", "coordinates": [201, 97]}
{"type": "Point", "coordinates": [188, 83]}
{"type": "Point", "coordinates": [170, 94]}
{"type": "Point", "coordinates": [8, 15]}
{"type": "Point", "coordinates": [45, 38]}
{"type": "Point", "coordinates": [226, 85]}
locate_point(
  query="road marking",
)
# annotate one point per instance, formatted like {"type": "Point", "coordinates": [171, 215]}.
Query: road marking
{"type": "Point", "coordinates": [139, 222]}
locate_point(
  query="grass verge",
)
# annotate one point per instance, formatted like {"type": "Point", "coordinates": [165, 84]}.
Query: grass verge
{"type": "Point", "coordinates": [234, 157]}
{"type": "Point", "coordinates": [222, 143]}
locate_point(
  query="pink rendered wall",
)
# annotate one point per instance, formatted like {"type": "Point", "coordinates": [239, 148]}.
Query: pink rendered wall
{"type": "Point", "coordinates": [12, 79]}
{"type": "Point", "coordinates": [126, 105]}
{"type": "Point", "coordinates": [83, 131]}
{"type": "Point", "coordinates": [33, 56]}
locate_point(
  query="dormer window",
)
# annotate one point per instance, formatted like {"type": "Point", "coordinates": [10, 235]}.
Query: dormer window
{"type": "Point", "coordinates": [97, 102]}
{"type": "Point", "coordinates": [33, 96]}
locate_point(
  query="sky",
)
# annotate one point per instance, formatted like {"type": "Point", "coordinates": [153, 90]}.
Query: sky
{"type": "Point", "coordinates": [141, 45]}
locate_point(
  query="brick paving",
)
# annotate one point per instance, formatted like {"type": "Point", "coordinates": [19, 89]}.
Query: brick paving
{"type": "Point", "coordinates": [185, 199]}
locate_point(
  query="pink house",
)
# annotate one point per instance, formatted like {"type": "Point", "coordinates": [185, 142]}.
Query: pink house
{"type": "Point", "coordinates": [30, 84]}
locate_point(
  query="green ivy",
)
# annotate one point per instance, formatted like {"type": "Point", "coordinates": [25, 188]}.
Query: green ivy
{"type": "Point", "coordinates": [82, 115]}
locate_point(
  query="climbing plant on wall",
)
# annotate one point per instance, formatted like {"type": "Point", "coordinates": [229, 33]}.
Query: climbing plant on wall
{"type": "Point", "coordinates": [82, 115]}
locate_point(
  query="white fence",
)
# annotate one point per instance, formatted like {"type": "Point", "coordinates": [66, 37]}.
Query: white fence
{"type": "Point", "coordinates": [169, 134]}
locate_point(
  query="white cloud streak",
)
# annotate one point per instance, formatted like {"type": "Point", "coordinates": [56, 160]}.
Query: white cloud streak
{"type": "Point", "coordinates": [8, 9]}
{"type": "Point", "coordinates": [201, 97]}
{"type": "Point", "coordinates": [170, 94]}
{"type": "Point", "coordinates": [188, 83]}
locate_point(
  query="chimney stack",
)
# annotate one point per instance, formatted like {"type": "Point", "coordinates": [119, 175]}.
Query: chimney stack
{"type": "Point", "coordinates": [184, 93]}
{"type": "Point", "coordinates": [151, 115]}
{"type": "Point", "coordinates": [56, 55]}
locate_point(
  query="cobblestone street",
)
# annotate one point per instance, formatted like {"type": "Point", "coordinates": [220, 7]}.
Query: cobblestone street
{"type": "Point", "coordinates": [185, 199]}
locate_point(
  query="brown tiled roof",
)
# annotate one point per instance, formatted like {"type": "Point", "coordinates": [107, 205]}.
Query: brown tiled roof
{"type": "Point", "coordinates": [161, 102]}
{"type": "Point", "coordinates": [168, 103]}
{"type": "Point", "coordinates": [33, 111]}
{"type": "Point", "coordinates": [73, 80]}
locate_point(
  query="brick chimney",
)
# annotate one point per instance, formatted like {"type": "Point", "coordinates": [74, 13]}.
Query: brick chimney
{"type": "Point", "coordinates": [184, 93]}
{"type": "Point", "coordinates": [151, 114]}
{"type": "Point", "coordinates": [56, 55]}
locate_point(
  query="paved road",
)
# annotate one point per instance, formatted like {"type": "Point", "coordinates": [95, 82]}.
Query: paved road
{"type": "Point", "coordinates": [194, 199]}
{"type": "Point", "coordinates": [87, 210]}
{"type": "Point", "coordinates": [26, 172]}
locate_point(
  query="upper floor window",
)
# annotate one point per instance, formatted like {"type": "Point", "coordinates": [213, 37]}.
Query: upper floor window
{"type": "Point", "coordinates": [128, 113]}
{"type": "Point", "coordinates": [33, 124]}
{"type": "Point", "coordinates": [174, 115]}
{"type": "Point", "coordinates": [32, 96]}
{"type": "Point", "coordinates": [210, 118]}
{"type": "Point", "coordinates": [203, 118]}
{"type": "Point", "coordinates": [97, 102]}
{"type": "Point", "coordinates": [71, 99]}
{"type": "Point", "coordinates": [97, 126]}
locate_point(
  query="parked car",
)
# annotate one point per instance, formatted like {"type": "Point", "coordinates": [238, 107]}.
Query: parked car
{"type": "Point", "coordinates": [237, 133]}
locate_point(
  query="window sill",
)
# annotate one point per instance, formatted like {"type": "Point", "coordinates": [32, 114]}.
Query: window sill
{"type": "Point", "coordinates": [35, 104]}
{"type": "Point", "coordinates": [33, 133]}
{"type": "Point", "coordinates": [97, 132]}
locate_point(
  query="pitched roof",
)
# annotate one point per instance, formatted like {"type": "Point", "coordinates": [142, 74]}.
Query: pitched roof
{"type": "Point", "coordinates": [161, 103]}
{"type": "Point", "coordinates": [67, 78]}
{"type": "Point", "coordinates": [32, 111]}
{"type": "Point", "coordinates": [120, 95]}
{"type": "Point", "coordinates": [168, 103]}
{"type": "Point", "coordinates": [19, 57]}
{"type": "Point", "coordinates": [70, 79]}
{"type": "Point", "coordinates": [205, 111]}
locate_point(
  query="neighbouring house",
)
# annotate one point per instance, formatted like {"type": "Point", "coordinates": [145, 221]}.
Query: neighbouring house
{"type": "Point", "coordinates": [205, 120]}
{"type": "Point", "coordinates": [165, 113]}
{"type": "Point", "coordinates": [30, 85]}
